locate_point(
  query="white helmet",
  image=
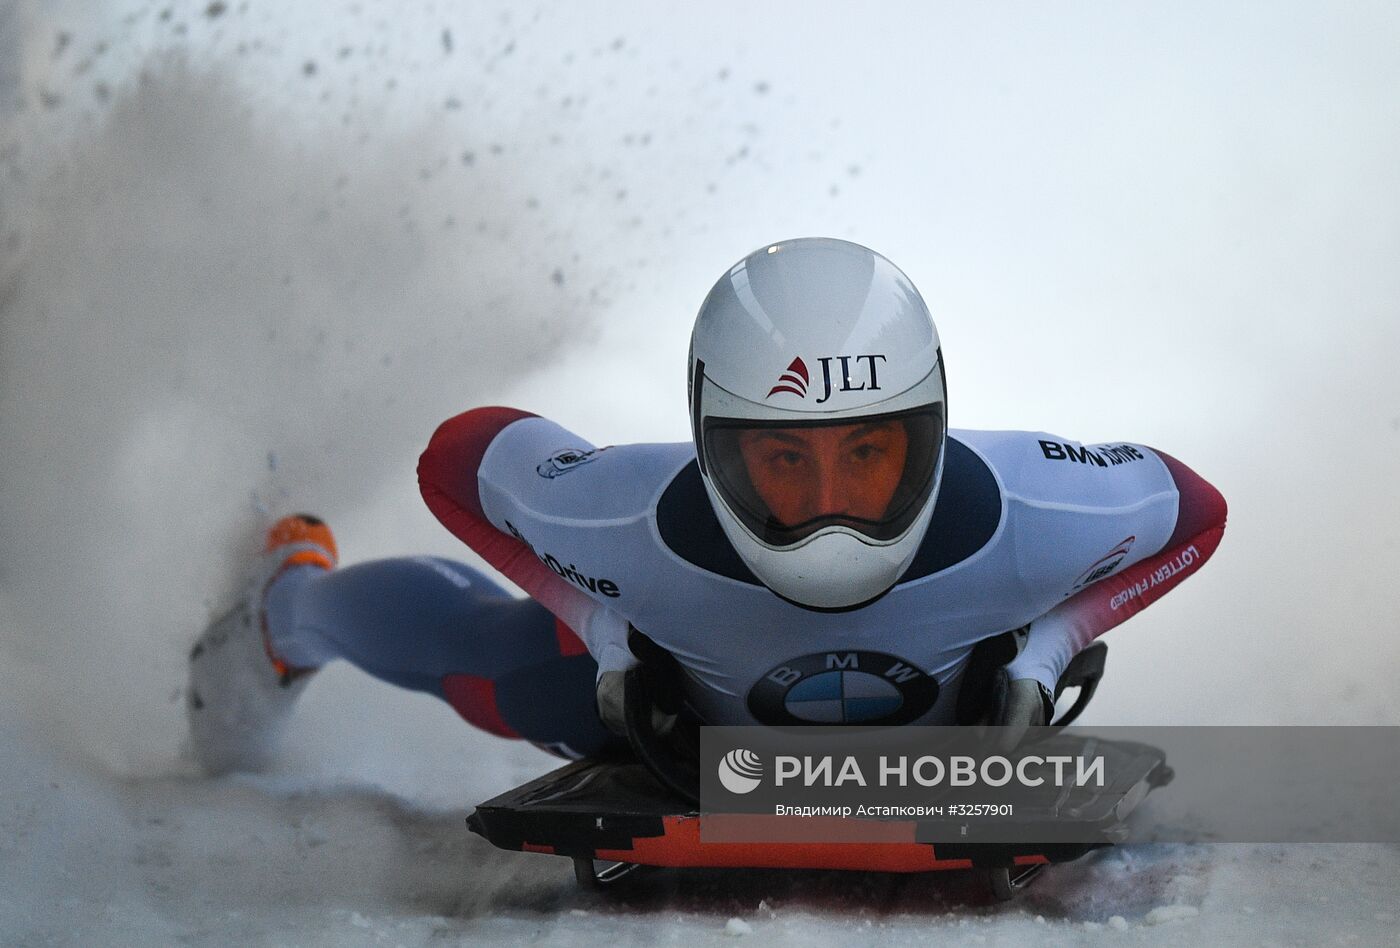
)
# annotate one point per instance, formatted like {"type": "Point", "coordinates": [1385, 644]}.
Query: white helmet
{"type": "Point", "coordinates": [817, 403]}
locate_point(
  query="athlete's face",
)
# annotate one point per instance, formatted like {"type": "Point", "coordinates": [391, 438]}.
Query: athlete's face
{"type": "Point", "coordinates": [842, 470]}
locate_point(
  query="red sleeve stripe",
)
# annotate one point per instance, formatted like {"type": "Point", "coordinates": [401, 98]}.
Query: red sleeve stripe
{"type": "Point", "coordinates": [1200, 525]}
{"type": "Point", "coordinates": [569, 642]}
{"type": "Point", "coordinates": [447, 478]}
{"type": "Point", "coordinates": [1113, 600]}
{"type": "Point", "coordinates": [1201, 506]}
{"type": "Point", "coordinates": [453, 457]}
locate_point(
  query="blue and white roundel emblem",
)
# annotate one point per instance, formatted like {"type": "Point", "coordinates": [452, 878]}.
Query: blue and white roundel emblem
{"type": "Point", "coordinates": [869, 688]}
{"type": "Point", "coordinates": [842, 697]}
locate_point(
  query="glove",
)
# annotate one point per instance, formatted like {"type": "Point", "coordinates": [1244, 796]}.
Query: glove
{"type": "Point", "coordinates": [1017, 706]}
{"type": "Point", "coordinates": [611, 706]}
{"type": "Point", "coordinates": [611, 694]}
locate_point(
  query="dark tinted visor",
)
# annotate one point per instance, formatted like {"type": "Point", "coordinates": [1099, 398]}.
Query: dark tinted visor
{"type": "Point", "coordinates": [787, 480]}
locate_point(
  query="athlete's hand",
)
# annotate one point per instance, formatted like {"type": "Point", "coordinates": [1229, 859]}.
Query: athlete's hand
{"type": "Point", "coordinates": [612, 705]}
{"type": "Point", "coordinates": [1017, 706]}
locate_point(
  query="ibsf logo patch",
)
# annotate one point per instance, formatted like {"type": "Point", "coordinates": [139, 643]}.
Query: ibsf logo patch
{"type": "Point", "coordinates": [1104, 565]}
{"type": "Point", "coordinates": [562, 462]}
{"type": "Point", "coordinates": [870, 688]}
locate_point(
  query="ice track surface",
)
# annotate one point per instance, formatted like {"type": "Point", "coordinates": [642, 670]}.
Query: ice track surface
{"type": "Point", "coordinates": [87, 858]}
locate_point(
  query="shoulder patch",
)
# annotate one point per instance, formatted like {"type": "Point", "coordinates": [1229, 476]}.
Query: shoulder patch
{"type": "Point", "coordinates": [562, 462]}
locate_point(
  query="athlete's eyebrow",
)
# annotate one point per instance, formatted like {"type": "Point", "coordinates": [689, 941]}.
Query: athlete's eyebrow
{"type": "Point", "coordinates": [778, 435]}
{"type": "Point", "coordinates": [868, 428]}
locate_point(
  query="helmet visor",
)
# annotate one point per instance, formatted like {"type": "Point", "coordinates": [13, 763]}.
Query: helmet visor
{"type": "Point", "coordinates": [786, 480]}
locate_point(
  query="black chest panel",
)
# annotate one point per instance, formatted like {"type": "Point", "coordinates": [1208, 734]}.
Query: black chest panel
{"type": "Point", "coordinates": [964, 520]}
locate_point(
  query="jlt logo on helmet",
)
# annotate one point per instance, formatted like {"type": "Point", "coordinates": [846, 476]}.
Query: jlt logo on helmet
{"type": "Point", "coordinates": [795, 378]}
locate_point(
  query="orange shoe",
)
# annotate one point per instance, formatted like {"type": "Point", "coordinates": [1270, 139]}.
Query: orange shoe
{"type": "Point", "coordinates": [309, 539]}
{"type": "Point", "coordinates": [241, 693]}
{"type": "Point", "coordinates": [295, 540]}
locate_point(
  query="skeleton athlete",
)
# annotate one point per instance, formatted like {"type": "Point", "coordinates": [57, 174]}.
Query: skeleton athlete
{"type": "Point", "coordinates": [825, 550]}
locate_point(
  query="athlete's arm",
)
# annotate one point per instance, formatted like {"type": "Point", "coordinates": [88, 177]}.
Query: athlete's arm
{"type": "Point", "coordinates": [448, 478]}
{"type": "Point", "coordinates": [1064, 631]}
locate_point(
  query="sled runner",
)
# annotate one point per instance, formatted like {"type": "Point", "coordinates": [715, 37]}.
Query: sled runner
{"type": "Point", "coordinates": [613, 816]}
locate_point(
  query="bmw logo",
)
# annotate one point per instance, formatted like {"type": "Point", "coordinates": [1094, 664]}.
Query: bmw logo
{"type": "Point", "coordinates": [867, 688]}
